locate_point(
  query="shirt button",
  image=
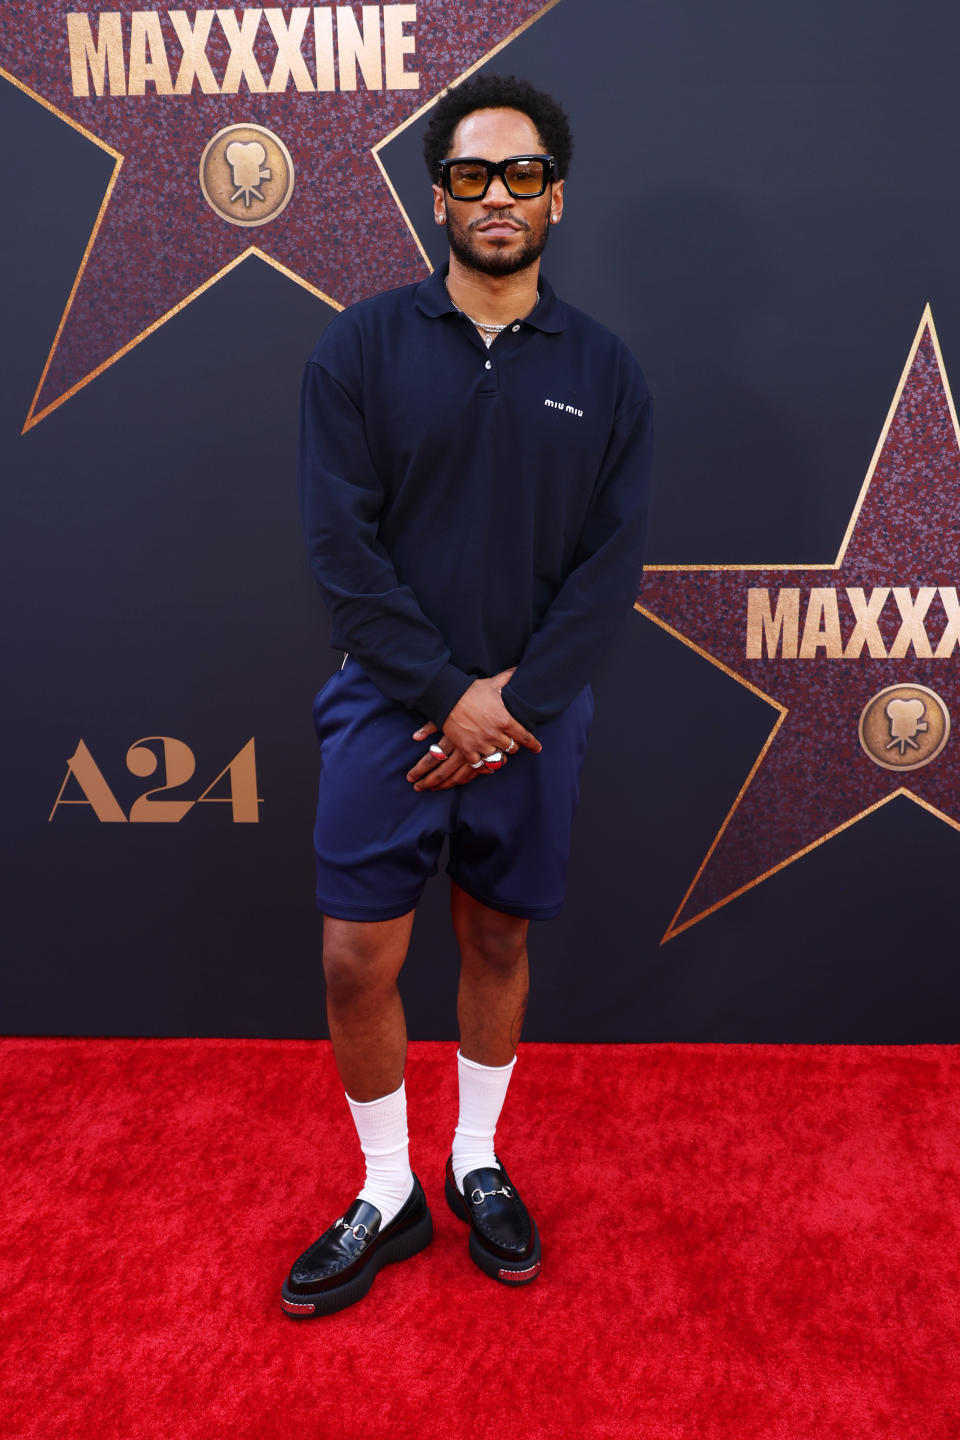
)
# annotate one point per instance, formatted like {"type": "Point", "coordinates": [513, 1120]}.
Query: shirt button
{"type": "Point", "coordinates": [515, 329]}
{"type": "Point", "coordinates": [489, 365]}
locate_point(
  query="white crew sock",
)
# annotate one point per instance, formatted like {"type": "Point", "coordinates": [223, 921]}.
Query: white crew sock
{"type": "Point", "coordinates": [483, 1089]}
{"type": "Point", "coordinates": [382, 1128]}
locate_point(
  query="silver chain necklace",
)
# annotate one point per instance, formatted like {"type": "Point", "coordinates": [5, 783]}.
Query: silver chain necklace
{"type": "Point", "coordinates": [490, 332]}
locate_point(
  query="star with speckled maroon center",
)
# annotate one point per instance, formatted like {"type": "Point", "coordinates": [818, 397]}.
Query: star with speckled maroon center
{"type": "Point", "coordinates": [883, 613]}
{"type": "Point", "coordinates": [157, 243]}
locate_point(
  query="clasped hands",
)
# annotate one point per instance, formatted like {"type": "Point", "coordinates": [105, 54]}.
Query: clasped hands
{"type": "Point", "coordinates": [478, 724]}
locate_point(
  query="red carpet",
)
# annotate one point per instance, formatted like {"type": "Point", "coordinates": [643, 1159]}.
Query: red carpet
{"type": "Point", "coordinates": [767, 1247]}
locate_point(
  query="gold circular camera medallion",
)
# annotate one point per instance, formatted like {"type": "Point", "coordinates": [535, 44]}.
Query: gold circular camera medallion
{"type": "Point", "coordinates": [246, 174]}
{"type": "Point", "coordinates": [904, 727]}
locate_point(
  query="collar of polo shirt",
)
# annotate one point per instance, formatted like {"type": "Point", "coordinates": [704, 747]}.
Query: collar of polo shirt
{"type": "Point", "coordinates": [432, 299]}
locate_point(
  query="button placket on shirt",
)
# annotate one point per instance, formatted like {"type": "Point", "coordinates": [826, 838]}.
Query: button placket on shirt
{"type": "Point", "coordinates": [488, 383]}
{"type": "Point", "coordinates": [490, 387]}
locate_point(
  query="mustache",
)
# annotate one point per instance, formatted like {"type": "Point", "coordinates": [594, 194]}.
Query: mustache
{"type": "Point", "coordinates": [497, 216]}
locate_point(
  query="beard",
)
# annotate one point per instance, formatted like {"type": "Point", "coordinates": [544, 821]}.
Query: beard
{"type": "Point", "coordinates": [506, 259]}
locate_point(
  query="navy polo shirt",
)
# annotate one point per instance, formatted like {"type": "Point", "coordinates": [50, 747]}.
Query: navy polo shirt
{"type": "Point", "coordinates": [468, 509]}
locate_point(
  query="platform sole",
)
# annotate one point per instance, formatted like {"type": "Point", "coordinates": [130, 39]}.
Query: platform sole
{"type": "Point", "coordinates": [327, 1302]}
{"type": "Point", "coordinates": [508, 1272]}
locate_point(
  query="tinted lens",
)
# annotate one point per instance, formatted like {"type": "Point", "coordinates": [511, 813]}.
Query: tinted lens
{"type": "Point", "coordinates": [526, 177]}
{"type": "Point", "coordinates": [467, 180]}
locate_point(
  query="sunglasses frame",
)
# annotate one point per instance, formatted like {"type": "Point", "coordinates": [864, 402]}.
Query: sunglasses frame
{"type": "Point", "coordinates": [494, 169]}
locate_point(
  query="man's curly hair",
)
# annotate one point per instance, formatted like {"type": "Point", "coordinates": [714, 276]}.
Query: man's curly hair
{"type": "Point", "coordinates": [496, 92]}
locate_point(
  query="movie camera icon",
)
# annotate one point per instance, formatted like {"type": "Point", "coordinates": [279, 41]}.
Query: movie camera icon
{"type": "Point", "coordinates": [246, 174]}
{"type": "Point", "coordinates": [904, 727]}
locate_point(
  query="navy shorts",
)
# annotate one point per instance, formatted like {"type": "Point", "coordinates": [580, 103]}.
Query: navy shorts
{"type": "Point", "coordinates": [378, 841]}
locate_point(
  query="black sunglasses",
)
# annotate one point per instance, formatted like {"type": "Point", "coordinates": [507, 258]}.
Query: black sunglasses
{"type": "Point", "coordinates": [525, 176]}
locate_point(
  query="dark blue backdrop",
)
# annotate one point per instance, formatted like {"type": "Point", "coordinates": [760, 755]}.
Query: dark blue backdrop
{"type": "Point", "coordinates": [762, 200]}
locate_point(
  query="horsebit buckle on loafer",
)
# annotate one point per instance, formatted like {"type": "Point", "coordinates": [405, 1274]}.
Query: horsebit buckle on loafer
{"type": "Point", "coordinates": [478, 1196]}
{"type": "Point", "coordinates": [359, 1232]}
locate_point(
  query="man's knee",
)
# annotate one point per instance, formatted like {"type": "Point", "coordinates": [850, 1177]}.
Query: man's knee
{"type": "Point", "coordinates": [360, 958]}
{"type": "Point", "coordinates": [497, 941]}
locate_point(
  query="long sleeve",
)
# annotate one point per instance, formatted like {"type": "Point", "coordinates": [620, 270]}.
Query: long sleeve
{"type": "Point", "coordinates": [375, 617]}
{"type": "Point", "coordinates": [603, 583]}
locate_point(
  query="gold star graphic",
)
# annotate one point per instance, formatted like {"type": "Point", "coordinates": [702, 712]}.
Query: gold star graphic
{"type": "Point", "coordinates": [303, 100]}
{"type": "Point", "coordinates": [857, 656]}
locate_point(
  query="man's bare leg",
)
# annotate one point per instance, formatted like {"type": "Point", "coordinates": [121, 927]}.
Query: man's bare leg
{"type": "Point", "coordinates": [389, 1220]}
{"type": "Point", "coordinates": [361, 963]}
{"type": "Point", "coordinates": [491, 1005]}
{"type": "Point", "coordinates": [494, 979]}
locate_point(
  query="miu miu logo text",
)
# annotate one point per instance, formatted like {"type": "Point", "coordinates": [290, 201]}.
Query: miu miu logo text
{"type": "Point", "coordinates": [567, 409]}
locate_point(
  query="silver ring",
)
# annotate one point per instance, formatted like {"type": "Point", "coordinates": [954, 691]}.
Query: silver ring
{"type": "Point", "coordinates": [494, 761]}
{"type": "Point", "coordinates": [511, 747]}
{"type": "Point", "coordinates": [438, 751]}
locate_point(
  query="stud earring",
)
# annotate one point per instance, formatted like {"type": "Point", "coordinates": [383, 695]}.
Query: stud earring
{"type": "Point", "coordinates": [554, 219]}
{"type": "Point", "coordinates": [439, 219]}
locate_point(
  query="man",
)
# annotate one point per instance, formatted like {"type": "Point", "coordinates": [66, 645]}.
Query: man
{"type": "Point", "coordinates": [474, 466]}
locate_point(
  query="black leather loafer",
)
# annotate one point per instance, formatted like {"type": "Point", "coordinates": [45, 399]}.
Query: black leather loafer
{"type": "Point", "coordinates": [340, 1267]}
{"type": "Point", "coordinates": [503, 1234]}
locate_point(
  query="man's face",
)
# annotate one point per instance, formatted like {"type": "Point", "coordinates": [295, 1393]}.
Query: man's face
{"type": "Point", "coordinates": [498, 235]}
